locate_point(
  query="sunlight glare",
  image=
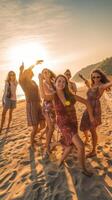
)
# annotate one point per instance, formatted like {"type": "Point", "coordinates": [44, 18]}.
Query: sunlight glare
{"type": "Point", "coordinates": [27, 53]}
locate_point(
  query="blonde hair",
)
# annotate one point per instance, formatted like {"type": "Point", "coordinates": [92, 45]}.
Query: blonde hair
{"type": "Point", "coordinates": [8, 79]}
{"type": "Point", "coordinates": [52, 74]}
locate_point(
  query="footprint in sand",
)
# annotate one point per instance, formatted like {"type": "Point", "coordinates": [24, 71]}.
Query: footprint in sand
{"type": "Point", "coordinates": [36, 186]}
{"type": "Point", "coordinates": [108, 143]}
{"type": "Point", "coordinates": [20, 146]}
{"type": "Point", "coordinates": [2, 165]}
{"type": "Point", "coordinates": [110, 162]}
{"type": "Point", "coordinates": [106, 155]}
{"type": "Point", "coordinates": [14, 173]}
{"type": "Point", "coordinates": [99, 147]}
{"type": "Point", "coordinates": [7, 179]}
{"type": "Point", "coordinates": [27, 162]}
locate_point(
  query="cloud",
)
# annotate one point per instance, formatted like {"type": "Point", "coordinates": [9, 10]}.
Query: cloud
{"type": "Point", "coordinates": [67, 28]}
{"type": "Point", "coordinates": [30, 20]}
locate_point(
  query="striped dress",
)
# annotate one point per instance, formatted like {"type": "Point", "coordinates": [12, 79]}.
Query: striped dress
{"type": "Point", "coordinates": [33, 102]}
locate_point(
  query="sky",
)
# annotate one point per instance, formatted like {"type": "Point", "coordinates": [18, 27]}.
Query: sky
{"type": "Point", "coordinates": [65, 33]}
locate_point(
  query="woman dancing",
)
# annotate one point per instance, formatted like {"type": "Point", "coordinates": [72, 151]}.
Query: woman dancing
{"type": "Point", "coordinates": [9, 98]}
{"type": "Point", "coordinates": [66, 118]}
{"type": "Point", "coordinates": [71, 84]}
{"type": "Point", "coordinates": [35, 117]}
{"type": "Point", "coordinates": [46, 83]}
{"type": "Point", "coordinates": [99, 83]}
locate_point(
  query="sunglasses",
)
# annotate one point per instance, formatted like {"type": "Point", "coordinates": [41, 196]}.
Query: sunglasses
{"type": "Point", "coordinates": [96, 77]}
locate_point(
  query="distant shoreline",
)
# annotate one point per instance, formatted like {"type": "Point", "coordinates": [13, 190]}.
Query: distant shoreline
{"type": "Point", "coordinates": [21, 97]}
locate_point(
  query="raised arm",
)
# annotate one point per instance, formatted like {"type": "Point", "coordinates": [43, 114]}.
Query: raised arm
{"type": "Point", "coordinates": [48, 96]}
{"type": "Point", "coordinates": [85, 80]}
{"type": "Point", "coordinates": [105, 86]}
{"type": "Point", "coordinates": [38, 62]}
{"type": "Point", "coordinates": [21, 72]}
{"type": "Point", "coordinates": [72, 86]}
{"type": "Point", "coordinates": [87, 104]}
{"type": "Point", "coordinates": [81, 100]}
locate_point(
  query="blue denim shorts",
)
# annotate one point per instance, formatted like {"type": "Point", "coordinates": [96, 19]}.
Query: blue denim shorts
{"type": "Point", "coordinates": [9, 103]}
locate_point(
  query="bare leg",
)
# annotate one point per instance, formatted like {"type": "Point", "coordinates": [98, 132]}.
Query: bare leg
{"type": "Point", "coordinates": [3, 118]}
{"type": "Point", "coordinates": [67, 150]}
{"type": "Point", "coordinates": [86, 137]}
{"type": "Point", "coordinates": [42, 125]}
{"type": "Point", "coordinates": [81, 151]}
{"type": "Point", "coordinates": [43, 132]}
{"type": "Point", "coordinates": [10, 118]}
{"type": "Point", "coordinates": [49, 133]}
{"type": "Point", "coordinates": [33, 133]}
{"type": "Point", "coordinates": [94, 142]}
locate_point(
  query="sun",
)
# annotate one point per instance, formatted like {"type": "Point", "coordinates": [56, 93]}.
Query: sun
{"type": "Point", "coordinates": [27, 53]}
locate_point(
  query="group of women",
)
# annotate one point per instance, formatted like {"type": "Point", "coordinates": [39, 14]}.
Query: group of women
{"type": "Point", "coordinates": [53, 103]}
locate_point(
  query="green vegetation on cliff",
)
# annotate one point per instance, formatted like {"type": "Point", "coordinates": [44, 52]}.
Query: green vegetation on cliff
{"type": "Point", "coordinates": [105, 65]}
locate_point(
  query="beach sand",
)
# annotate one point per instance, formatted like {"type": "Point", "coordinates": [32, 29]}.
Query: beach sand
{"type": "Point", "coordinates": [24, 175]}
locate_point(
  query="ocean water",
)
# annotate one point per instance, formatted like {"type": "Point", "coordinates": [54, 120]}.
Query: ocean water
{"type": "Point", "coordinates": [3, 75]}
{"type": "Point", "coordinates": [20, 93]}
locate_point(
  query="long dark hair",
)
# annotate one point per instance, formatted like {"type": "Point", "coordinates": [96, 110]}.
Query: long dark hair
{"type": "Point", "coordinates": [103, 79]}
{"type": "Point", "coordinates": [68, 95]}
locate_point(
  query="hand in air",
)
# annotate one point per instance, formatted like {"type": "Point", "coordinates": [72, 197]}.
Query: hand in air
{"type": "Point", "coordinates": [32, 66]}
{"type": "Point", "coordinates": [39, 62]}
{"type": "Point", "coordinates": [40, 76]}
{"type": "Point", "coordinates": [22, 67]}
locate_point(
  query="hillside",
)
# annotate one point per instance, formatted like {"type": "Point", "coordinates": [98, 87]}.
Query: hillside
{"type": "Point", "coordinates": [105, 65]}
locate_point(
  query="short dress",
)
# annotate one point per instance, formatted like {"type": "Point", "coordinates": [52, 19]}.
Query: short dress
{"type": "Point", "coordinates": [66, 120]}
{"type": "Point", "coordinates": [34, 113]}
{"type": "Point", "coordinates": [48, 108]}
{"type": "Point", "coordinates": [33, 102]}
{"type": "Point", "coordinates": [93, 97]}
{"type": "Point", "coordinates": [10, 102]}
